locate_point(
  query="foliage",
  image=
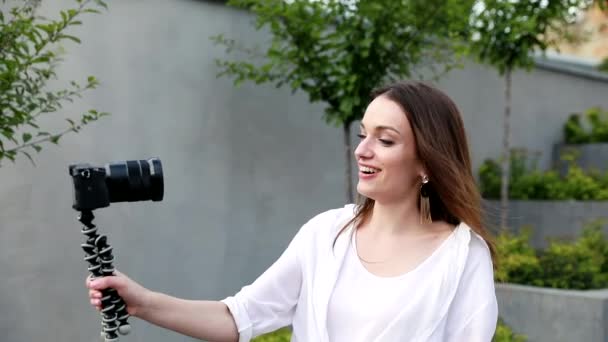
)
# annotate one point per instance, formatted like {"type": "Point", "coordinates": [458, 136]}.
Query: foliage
{"type": "Point", "coordinates": [505, 34]}
{"type": "Point", "coordinates": [582, 264]}
{"type": "Point", "coordinates": [338, 51]}
{"type": "Point", "coordinates": [518, 261]}
{"type": "Point", "coordinates": [281, 335]}
{"type": "Point", "coordinates": [589, 127]}
{"type": "Point", "coordinates": [603, 66]}
{"type": "Point", "coordinates": [29, 56]}
{"type": "Point", "coordinates": [505, 334]}
{"type": "Point", "coordinates": [527, 182]}
{"type": "Point", "coordinates": [489, 178]}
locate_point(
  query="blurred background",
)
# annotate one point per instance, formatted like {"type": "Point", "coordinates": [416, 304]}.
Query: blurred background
{"type": "Point", "coordinates": [253, 126]}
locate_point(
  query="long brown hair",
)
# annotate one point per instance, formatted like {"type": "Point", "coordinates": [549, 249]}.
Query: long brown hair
{"type": "Point", "coordinates": [442, 147]}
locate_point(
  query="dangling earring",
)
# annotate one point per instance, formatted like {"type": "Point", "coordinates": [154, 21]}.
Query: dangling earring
{"type": "Point", "coordinates": [425, 203]}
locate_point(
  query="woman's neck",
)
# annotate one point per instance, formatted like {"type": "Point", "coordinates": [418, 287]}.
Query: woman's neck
{"type": "Point", "coordinates": [395, 217]}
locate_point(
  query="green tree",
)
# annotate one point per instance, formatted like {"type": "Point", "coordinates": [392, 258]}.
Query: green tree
{"type": "Point", "coordinates": [338, 51]}
{"type": "Point", "coordinates": [505, 34]}
{"type": "Point", "coordinates": [29, 56]}
{"type": "Point", "coordinates": [603, 66]}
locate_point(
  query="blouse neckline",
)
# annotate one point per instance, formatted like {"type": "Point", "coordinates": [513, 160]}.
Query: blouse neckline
{"type": "Point", "coordinates": [437, 251]}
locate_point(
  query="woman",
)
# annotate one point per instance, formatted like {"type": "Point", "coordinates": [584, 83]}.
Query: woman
{"type": "Point", "coordinates": [411, 262]}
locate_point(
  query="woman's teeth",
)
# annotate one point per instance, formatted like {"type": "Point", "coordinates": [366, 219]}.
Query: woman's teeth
{"type": "Point", "coordinates": [368, 170]}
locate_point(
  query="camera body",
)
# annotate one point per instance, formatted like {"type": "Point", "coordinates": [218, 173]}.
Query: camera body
{"type": "Point", "coordinates": [127, 181]}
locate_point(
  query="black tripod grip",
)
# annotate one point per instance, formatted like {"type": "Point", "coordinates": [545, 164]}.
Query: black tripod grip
{"type": "Point", "coordinates": [98, 253]}
{"type": "Point", "coordinates": [119, 308]}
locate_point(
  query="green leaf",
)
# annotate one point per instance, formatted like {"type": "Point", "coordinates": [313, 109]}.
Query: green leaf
{"type": "Point", "coordinates": [72, 38]}
{"type": "Point", "coordinates": [28, 156]}
{"type": "Point", "coordinates": [26, 137]}
{"type": "Point", "coordinates": [90, 10]}
{"type": "Point", "coordinates": [55, 139]}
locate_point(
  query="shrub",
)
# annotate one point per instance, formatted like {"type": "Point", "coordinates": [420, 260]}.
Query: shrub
{"type": "Point", "coordinates": [489, 179]}
{"type": "Point", "coordinates": [581, 265]}
{"type": "Point", "coordinates": [593, 239]}
{"type": "Point", "coordinates": [503, 334]}
{"type": "Point", "coordinates": [603, 66]}
{"type": "Point", "coordinates": [538, 185]}
{"type": "Point", "coordinates": [281, 335]}
{"type": "Point", "coordinates": [527, 182]}
{"type": "Point", "coordinates": [588, 127]}
{"type": "Point", "coordinates": [581, 185]}
{"type": "Point", "coordinates": [574, 133]}
{"type": "Point", "coordinates": [517, 259]}
{"type": "Point", "coordinates": [567, 266]}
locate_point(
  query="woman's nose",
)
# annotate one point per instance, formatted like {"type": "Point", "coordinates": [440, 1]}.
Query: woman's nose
{"type": "Point", "coordinates": [363, 150]}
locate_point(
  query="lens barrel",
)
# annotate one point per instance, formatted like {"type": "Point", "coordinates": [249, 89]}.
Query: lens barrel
{"type": "Point", "coordinates": [135, 180]}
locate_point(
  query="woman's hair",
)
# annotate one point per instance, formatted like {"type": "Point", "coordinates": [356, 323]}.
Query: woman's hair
{"type": "Point", "coordinates": [442, 148]}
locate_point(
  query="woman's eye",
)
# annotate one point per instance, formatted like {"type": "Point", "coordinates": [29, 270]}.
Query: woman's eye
{"type": "Point", "coordinates": [386, 142]}
{"type": "Point", "coordinates": [361, 136]}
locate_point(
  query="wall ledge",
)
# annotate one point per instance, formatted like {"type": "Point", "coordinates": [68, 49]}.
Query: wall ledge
{"type": "Point", "coordinates": [570, 65]}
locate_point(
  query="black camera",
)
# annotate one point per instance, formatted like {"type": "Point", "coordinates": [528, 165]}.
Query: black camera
{"type": "Point", "coordinates": [126, 181]}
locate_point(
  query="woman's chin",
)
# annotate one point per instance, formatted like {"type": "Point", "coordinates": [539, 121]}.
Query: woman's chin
{"type": "Point", "coordinates": [365, 191]}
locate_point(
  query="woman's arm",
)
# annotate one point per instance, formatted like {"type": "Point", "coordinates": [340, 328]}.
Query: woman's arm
{"type": "Point", "coordinates": [265, 305]}
{"type": "Point", "coordinates": [206, 320]}
{"type": "Point", "coordinates": [473, 314]}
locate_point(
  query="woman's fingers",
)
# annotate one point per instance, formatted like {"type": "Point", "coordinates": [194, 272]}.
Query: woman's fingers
{"type": "Point", "coordinates": [87, 280]}
{"type": "Point", "coordinates": [129, 291]}
{"type": "Point", "coordinates": [94, 294]}
{"type": "Point", "coordinates": [105, 282]}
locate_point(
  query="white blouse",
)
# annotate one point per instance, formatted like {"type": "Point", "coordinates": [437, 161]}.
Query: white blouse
{"type": "Point", "coordinates": [449, 297]}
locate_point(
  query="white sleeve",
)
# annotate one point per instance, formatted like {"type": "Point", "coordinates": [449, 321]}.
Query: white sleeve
{"type": "Point", "coordinates": [474, 312]}
{"type": "Point", "coordinates": [269, 302]}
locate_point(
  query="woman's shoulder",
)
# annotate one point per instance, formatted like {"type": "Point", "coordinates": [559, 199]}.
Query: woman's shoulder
{"type": "Point", "coordinates": [479, 256]}
{"type": "Point", "coordinates": [330, 221]}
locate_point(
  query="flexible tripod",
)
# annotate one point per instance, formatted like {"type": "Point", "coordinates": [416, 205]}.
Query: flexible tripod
{"type": "Point", "coordinates": [99, 256]}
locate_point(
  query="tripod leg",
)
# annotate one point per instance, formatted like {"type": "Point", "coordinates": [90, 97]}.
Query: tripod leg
{"type": "Point", "coordinates": [107, 269]}
{"type": "Point", "coordinates": [92, 256]}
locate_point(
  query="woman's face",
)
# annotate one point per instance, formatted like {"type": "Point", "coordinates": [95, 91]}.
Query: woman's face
{"type": "Point", "coordinates": [388, 165]}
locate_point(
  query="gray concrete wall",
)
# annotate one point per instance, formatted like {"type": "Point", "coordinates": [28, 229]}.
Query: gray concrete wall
{"type": "Point", "coordinates": [560, 220]}
{"type": "Point", "coordinates": [549, 315]}
{"type": "Point", "coordinates": [542, 100]}
{"type": "Point", "coordinates": [591, 157]}
{"type": "Point", "coordinates": [244, 168]}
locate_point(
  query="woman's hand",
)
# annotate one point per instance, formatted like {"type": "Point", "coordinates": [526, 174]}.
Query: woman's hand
{"type": "Point", "coordinates": [134, 295]}
{"type": "Point", "coordinates": [203, 320]}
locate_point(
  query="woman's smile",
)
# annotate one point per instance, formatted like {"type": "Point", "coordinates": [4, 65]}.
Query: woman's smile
{"type": "Point", "coordinates": [367, 172]}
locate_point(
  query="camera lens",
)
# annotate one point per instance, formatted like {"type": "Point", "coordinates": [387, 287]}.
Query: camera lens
{"type": "Point", "coordinates": [135, 180]}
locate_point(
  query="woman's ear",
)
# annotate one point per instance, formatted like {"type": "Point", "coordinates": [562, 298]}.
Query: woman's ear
{"type": "Point", "coordinates": [422, 172]}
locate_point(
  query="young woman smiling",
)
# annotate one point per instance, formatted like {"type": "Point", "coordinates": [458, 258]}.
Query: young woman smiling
{"type": "Point", "coordinates": [411, 261]}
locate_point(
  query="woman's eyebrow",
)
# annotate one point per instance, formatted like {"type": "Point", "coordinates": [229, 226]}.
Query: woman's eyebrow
{"type": "Point", "coordinates": [383, 128]}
